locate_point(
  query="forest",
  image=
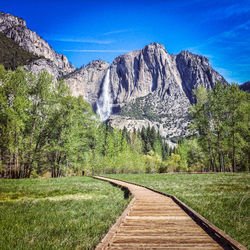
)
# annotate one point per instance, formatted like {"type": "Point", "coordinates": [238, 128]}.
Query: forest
{"type": "Point", "coordinates": [43, 129]}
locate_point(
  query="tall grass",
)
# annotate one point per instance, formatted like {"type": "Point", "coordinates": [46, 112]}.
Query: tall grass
{"type": "Point", "coordinates": [61, 213]}
{"type": "Point", "coordinates": [223, 198]}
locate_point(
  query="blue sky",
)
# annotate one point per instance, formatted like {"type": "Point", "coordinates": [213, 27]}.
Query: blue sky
{"type": "Point", "coordinates": [88, 30]}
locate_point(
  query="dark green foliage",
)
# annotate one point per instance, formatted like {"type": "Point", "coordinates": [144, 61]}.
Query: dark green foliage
{"type": "Point", "coordinates": [176, 139]}
{"type": "Point", "coordinates": [119, 151]}
{"type": "Point", "coordinates": [165, 151]}
{"type": "Point", "coordinates": [42, 127]}
{"type": "Point", "coordinates": [12, 55]}
{"type": "Point", "coordinates": [221, 118]}
{"type": "Point", "coordinates": [152, 141]}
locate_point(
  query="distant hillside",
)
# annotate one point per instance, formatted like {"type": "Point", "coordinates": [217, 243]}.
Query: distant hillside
{"type": "Point", "coordinates": [12, 55]}
{"type": "Point", "coordinates": [245, 86]}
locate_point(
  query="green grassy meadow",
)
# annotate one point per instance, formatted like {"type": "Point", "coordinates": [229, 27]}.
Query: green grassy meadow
{"type": "Point", "coordinates": [60, 213]}
{"type": "Point", "coordinates": [223, 198]}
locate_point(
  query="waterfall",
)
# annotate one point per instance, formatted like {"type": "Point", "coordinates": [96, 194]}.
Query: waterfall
{"type": "Point", "coordinates": [104, 101]}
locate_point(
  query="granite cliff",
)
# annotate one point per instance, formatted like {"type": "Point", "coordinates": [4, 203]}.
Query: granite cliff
{"type": "Point", "coordinates": [87, 81]}
{"type": "Point", "coordinates": [148, 87]}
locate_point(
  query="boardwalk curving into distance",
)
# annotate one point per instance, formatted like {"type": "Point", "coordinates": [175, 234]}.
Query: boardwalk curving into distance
{"type": "Point", "coordinates": [155, 221]}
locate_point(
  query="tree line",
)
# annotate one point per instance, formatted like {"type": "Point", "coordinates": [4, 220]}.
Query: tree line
{"type": "Point", "coordinates": [121, 151]}
{"type": "Point", "coordinates": [45, 129]}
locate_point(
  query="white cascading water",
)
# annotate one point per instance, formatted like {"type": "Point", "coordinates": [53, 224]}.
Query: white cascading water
{"type": "Point", "coordinates": [104, 101]}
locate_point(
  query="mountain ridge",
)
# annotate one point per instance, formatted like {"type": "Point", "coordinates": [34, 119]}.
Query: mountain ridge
{"type": "Point", "coordinates": [148, 86]}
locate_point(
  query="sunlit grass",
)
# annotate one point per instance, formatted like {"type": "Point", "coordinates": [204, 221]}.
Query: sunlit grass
{"type": "Point", "coordinates": [62, 213]}
{"type": "Point", "coordinates": [223, 199]}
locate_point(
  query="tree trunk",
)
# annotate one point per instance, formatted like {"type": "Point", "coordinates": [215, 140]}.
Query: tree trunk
{"type": "Point", "coordinates": [16, 164]}
{"type": "Point", "coordinates": [221, 162]}
{"type": "Point", "coordinates": [66, 171]}
{"type": "Point", "coordinates": [233, 154]}
{"type": "Point", "coordinates": [211, 156]}
{"type": "Point", "coordinates": [10, 166]}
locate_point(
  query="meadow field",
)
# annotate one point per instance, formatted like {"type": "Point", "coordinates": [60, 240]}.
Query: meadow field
{"type": "Point", "coordinates": [57, 213]}
{"type": "Point", "coordinates": [223, 198]}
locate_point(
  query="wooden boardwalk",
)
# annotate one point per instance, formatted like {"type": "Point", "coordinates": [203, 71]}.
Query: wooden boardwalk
{"type": "Point", "coordinates": [154, 221]}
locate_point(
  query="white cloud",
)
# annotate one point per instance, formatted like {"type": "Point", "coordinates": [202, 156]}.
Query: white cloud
{"type": "Point", "coordinates": [115, 32]}
{"type": "Point", "coordinates": [72, 40]}
{"type": "Point", "coordinates": [97, 50]}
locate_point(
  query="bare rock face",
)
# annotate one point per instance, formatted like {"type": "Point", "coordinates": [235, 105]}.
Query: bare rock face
{"type": "Point", "coordinates": [41, 65]}
{"type": "Point", "coordinates": [87, 81]}
{"type": "Point", "coordinates": [152, 69]}
{"type": "Point", "coordinates": [16, 29]}
{"type": "Point", "coordinates": [141, 72]}
{"type": "Point", "coordinates": [195, 70]}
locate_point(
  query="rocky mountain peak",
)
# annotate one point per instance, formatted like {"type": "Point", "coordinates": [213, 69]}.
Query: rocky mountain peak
{"type": "Point", "coordinates": [141, 72]}
{"type": "Point", "coordinates": [155, 52]}
{"type": "Point", "coordinates": [8, 20]}
{"type": "Point", "coordinates": [148, 87]}
{"type": "Point", "coordinates": [188, 56]}
{"type": "Point", "coordinates": [154, 46]}
{"type": "Point", "coordinates": [15, 28]}
{"type": "Point", "coordinates": [97, 64]}
{"type": "Point", "coordinates": [195, 70]}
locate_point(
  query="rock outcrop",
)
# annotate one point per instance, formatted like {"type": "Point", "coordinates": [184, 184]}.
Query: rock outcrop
{"type": "Point", "coordinates": [15, 28]}
{"type": "Point", "coordinates": [152, 69]}
{"type": "Point", "coordinates": [195, 70]}
{"type": "Point", "coordinates": [142, 72]}
{"type": "Point", "coordinates": [87, 81]}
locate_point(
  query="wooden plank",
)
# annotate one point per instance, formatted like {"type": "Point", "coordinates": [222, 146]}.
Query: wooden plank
{"type": "Point", "coordinates": [108, 237]}
{"type": "Point", "coordinates": [159, 221]}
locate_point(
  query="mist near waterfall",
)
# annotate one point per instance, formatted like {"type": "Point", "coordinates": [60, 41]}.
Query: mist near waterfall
{"type": "Point", "coordinates": [104, 102]}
